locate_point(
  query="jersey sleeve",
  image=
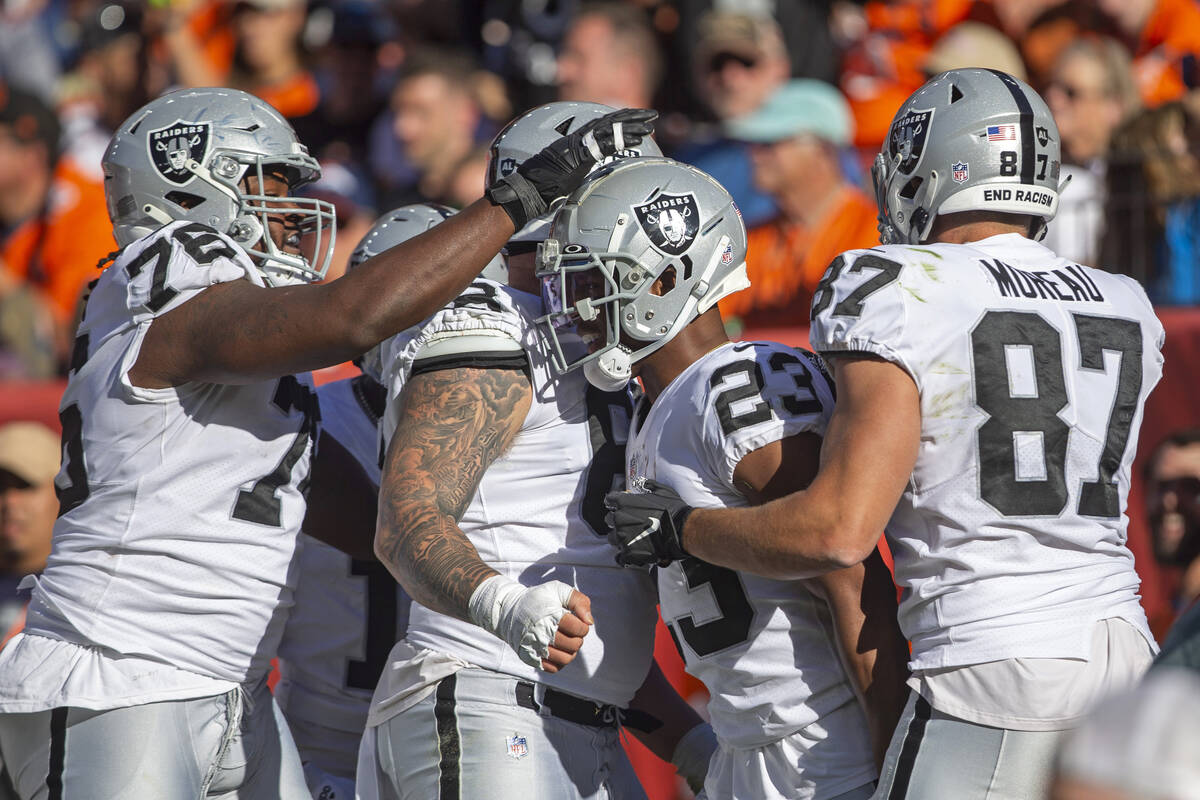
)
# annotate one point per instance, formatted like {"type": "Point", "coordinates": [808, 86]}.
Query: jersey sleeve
{"type": "Point", "coordinates": [861, 306]}
{"type": "Point", "coordinates": [481, 328]}
{"type": "Point", "coordinates": [175, 263]}
{"type": "Point", "coordinates": [763, 394]}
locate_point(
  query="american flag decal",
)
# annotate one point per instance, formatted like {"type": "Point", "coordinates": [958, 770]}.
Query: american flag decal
{"type": "Point", "coordinates": [1002, 133]}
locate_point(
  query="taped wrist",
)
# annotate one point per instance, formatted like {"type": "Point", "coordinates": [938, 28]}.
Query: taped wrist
{"type": "Point", "coordinates": [526, 617]}
{"type": "Point", "coordinates": [519, 198]}
{"type": "Point", "coordinates": [692, 754]}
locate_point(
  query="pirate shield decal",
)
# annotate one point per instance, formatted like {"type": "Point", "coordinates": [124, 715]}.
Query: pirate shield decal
{"type": "Point", "coordinates": [671, 221]}
{"type": "Point", "coordinates": [176, 144]}
{"type": "Point", "coordinates": [907, 138]}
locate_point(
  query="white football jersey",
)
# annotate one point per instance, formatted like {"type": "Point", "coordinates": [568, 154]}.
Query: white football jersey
{"type": "Point", "coordinates": [347, 612]}
{"type": "Point", "coordinates": [764, 648]}
{"type": "Point", "coordinates": [180, 506]}
{"type": "Point", "coordinates": [1032, 371]}
{"type": "Point", "coordinates": [538, 514]}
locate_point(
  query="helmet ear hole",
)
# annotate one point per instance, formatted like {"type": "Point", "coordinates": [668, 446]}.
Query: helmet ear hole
{"type": "Point", "coordinates": [909, 190]}
{"type": "Point", "coordinates": [183, 199]}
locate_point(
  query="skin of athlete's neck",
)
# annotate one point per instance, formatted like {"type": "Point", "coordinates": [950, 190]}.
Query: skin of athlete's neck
{"type": "Point", "coordinates": [702, 335]}
{"type": "Point", "coordinates": [972, 226]}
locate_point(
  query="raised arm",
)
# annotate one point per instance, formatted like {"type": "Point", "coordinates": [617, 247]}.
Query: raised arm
{"type": "Point", "coordinates": [867, 457]}
{"type": "Point", "coordinates": [235, 332]}
{"type": "Point", "coordinates": [453, 424]}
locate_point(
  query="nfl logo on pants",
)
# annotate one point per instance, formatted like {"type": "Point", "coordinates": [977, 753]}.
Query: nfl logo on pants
{"type": "Point", "coordinates": [518, 747]}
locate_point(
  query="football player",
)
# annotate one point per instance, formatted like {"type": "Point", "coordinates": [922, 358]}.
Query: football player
{"type": "Point", "coordinates": [989, 399]}
{"type": "Point", "coordinates": [525, 646]}
{"type": "Point", "coordinates": [188, 443]}
{"type": "Point", "coordinates": [635, 265]}
{"type": "Point", "coordinates": [347, 612]}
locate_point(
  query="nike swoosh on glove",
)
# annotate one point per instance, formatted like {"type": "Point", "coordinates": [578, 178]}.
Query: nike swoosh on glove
{"type": "Point", "coordinates": [646, 527]}
{"type": "Point", "coordinates": [562, 165]}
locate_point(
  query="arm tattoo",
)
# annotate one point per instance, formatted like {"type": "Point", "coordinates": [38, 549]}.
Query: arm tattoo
{"type": "Point", "coordinates": [454, 423]}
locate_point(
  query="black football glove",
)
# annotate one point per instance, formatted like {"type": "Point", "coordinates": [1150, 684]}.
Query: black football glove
{"type": "Point", "coordinates": [647, 527]}
{"type": "Point", "coordinates": [563, 164]}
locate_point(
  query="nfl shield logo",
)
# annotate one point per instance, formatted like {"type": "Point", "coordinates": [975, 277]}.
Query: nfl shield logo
{"type": "Point", "coordinates": [960, 172]}
{"type": "Point", "coordinates": [671, 221]}
{"type": "Point", "coordinates": [518, 747]}
{"type": "Point", "coordinates": [172, 147]}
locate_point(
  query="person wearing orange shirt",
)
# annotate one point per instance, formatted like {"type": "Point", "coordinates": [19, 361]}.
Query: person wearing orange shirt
{"type": "Point", "coordinates": [795, 143]}
{"type": "Point", "coordinates": [1167, 33]}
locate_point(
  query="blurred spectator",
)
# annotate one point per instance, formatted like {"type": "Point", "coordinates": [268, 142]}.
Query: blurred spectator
{"type": "Point", "coordinates": [974, 44]}
{"type": "Point", "coordinates": [29, 457]}
{"type": "Point", "coordinates": [1090, 94]}
{"type": "Point", "coordinates": [739, 61]}
{"type": "Point", "coordinates": [436, 121]}
{"type": "Point", "coordinates": [1173, 508]}
{"type": "Point", "coordinates": [610, 55]}
{"type": "Point", "coordinates": [27, 57]}
{"type": "Point", "coordinates": [55, 226]}
{"type": "Point", "coordinates": [1152, 213]}
{"type": "Point", "coordinates": [468, 182]}
{"type": "Point", "coordinates": [1181, 647]}
{"type": "Point", "coordinates": [1138, 745]}
{"type": "Point", "coordinates": [269, 58]}
{"type": "Point", "coordinates": [347, 73]}
{"type": "Point", "coordinates": [886, 44]}
{"type": "Point", "coordinates": [1166, 37]}
{"type": "Point", "coordinates": [795, 140]}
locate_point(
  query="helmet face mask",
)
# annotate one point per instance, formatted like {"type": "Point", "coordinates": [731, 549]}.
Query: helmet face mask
{"type": "Point", "coordinates": [968, 140]}
{"type": "Point", "coordinates": [636, 254]}
{"type": "Point", "coordinates": [187, 155]}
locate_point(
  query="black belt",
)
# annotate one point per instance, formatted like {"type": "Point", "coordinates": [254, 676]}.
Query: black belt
{"type": "Point", "coordinates": [585, 712]}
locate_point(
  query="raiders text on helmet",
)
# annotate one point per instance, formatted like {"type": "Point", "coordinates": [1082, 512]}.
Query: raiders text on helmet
{"type": "Point", "coordinates": [529, 133]}
{"type": "Point", "coordinates": [968, 140]}
{"type": "Point", "coordinates": [184, 155]}
{"type": "Point", "coordinates": [635, 222]}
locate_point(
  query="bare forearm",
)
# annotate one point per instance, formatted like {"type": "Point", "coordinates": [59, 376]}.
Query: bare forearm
{"type": "Point", "coordinates": [431, 558]}
{"type": "Point", "coordinates": [252, 334]}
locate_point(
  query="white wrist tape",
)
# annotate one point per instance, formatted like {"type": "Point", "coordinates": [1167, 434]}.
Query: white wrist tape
{"type": "Point", "coordinates": [692, 754]}
{"type": "Point", "coordinates": [524, 616]}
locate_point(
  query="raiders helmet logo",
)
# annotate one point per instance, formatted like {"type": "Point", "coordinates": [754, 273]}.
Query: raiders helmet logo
{"type": "Point", "coordinates": [172, 147]}
{"type": "Point", "coordinates": [671, 221]}
{"type": "Point", "coordinates": [907, 138]}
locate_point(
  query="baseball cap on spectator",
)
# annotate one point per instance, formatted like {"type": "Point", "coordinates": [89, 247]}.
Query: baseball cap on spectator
{"type": "Point", "coordinates": [973, 44]}
{"type": "Point", "coordinates": [29, 119]}
{"type": "Point", "coordinates": [30, 451]}
{"type": "Point", "coordinates": [728, 34]}
{"type": "Point", "coordinates": [800, 106]}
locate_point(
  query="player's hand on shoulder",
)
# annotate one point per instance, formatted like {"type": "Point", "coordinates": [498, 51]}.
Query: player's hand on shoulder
{"type": "Point", "coordinates": [544, 625]}
{"type": "Point", "coordinates": [647, 527]}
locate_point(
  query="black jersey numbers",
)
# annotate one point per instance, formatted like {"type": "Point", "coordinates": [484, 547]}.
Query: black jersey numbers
{"type": "Point", "coordinates": [200, 242]}
{"type": "Point", "coordinates": [741, 399]}
{"type": "Point", "coordinates": [732, 627]}
{"type": "Point", "coordinates": [261, 502]}
{"type": "Point", "coordinates": [608, 426]}
{"type": "Point", "coordinates": [1020, 382]}
{"type": "Point", "coordinates": [887, 272]}
{"type": "Point", "coordinates": [382, 620]}
{"type": "Point", "coordinates": [72, 443]}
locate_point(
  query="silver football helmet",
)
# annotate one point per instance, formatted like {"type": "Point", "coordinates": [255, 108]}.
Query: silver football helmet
{"type": "Point", "coordinates": [183, 156]}
{"type": "Point", "coordinates": [968, 140]}
{"type": "Point", "coordinates": [397, 226]}
{"type": "Point", "coordinates": [529, 133]}
{"type": "Point", "coordinates": [635, 224]}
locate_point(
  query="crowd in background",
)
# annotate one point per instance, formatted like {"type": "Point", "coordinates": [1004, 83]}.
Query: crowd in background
{"type": "Point", "coordinates": [784, 101]}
